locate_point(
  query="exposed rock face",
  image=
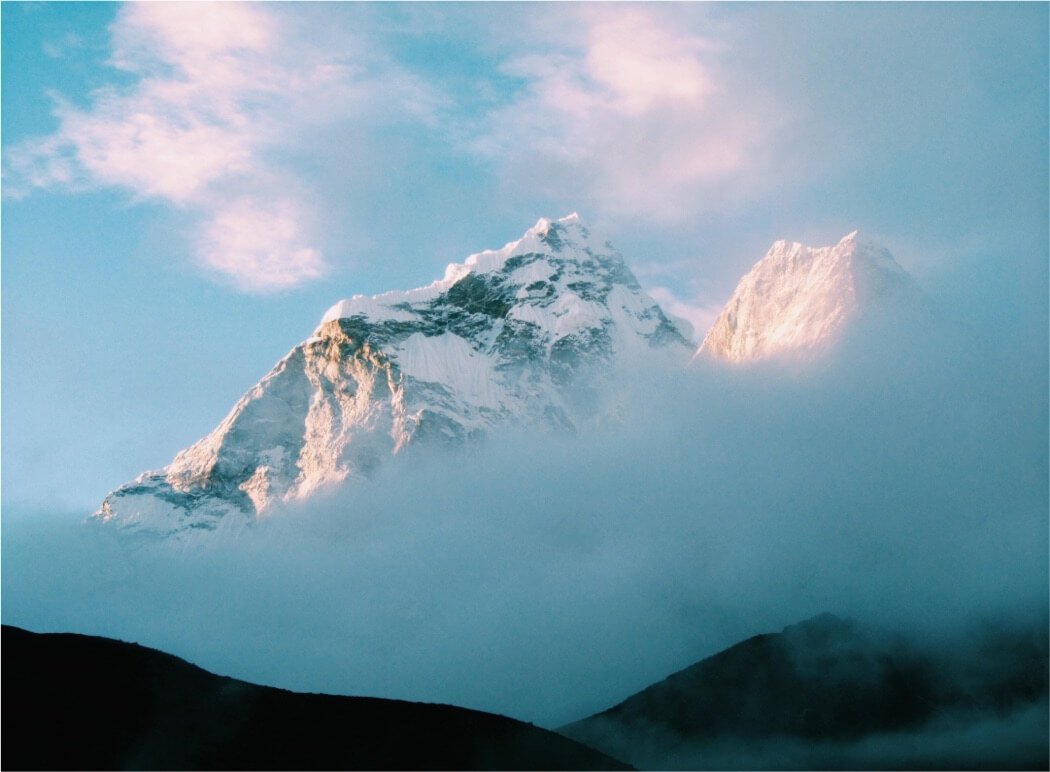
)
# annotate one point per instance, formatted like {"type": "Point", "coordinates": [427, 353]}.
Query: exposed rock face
{"type": "Point", "coordinates": [798, 300]}
{"type": "Point", "coordinates": [524, 333]}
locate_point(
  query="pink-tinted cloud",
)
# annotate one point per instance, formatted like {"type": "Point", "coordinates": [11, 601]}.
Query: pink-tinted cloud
{"type": "Point", "coordinates": [223, 94]}
{"type": "Point", "coordinates": [258, 244]}
{"type": "Point", "coordinates": [644, 65]}
{"type": "Point", "coordinates": [155, 148]}
{"type": "Point", "coordinates": [193, 131]}
{"type": "Point", "coordinates": [625, 109]}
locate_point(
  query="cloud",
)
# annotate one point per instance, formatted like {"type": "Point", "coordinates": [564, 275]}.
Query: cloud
{"type": "Point", "coordinates": [979, 739]}
{"type": "Point", "coordinates": [158, 147]}
{"type": "Point", "coordinates": [700, 314]}
{"type": "Point", "coordinates": [60, 47]}
{"type": "Point", "coordinates": [258, 243]}
{"type": "Point", "coordinates": [203, 48]}
{"type": "Point", "coordinates": [629, 111]}
{"type": "Point", "coordinates": [549, 577]}
{"type": "Point", "coordinates": [222, 96]}
{"type": "Point", "coordinates": [645, 66]}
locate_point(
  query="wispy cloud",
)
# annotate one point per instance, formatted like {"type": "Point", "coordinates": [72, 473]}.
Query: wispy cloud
{"type": "Point", "coordinates": [700, 313]}
{"type": "Point", "coordinates": [58, 48]}
{"type": "Point", "coordinates": [628, 109]}
{"type": "Point", "coordinates": [248, 117]}
{"type": "Point", "coordinates": [221, 93]}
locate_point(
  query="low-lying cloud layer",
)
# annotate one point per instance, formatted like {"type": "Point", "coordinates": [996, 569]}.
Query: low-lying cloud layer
{"type": "Point", "coordinates": [1013, 740]}
{"type": "Point", "coordinates": [549, 577]}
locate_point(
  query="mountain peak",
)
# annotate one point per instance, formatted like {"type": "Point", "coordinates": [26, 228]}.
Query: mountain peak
{"type": "Point", "coordinates": [797, 300]}
{"type": "Point", "coordinates": [544, 223]}
{"type": "Point", "coordinates": [567, 236]}
{"type": "Point", "coordinates": [520, 335]}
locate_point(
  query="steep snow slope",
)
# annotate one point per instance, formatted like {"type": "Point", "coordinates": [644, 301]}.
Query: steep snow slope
{"type": "Point", "coordinates": [797, 300]}
{"type": "Point", "coordinates": [523, 333]}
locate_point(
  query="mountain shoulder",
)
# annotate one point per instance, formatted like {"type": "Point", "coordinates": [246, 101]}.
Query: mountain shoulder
{"type": "Point", "coordinates": [85, 702]}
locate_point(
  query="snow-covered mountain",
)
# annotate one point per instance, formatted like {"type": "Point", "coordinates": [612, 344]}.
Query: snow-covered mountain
{"type": "Point", "coordinates": [799, 300]}
{"type": "Point", "coordinates": [525, 333]}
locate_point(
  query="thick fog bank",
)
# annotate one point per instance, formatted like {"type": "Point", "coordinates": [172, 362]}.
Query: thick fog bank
{"type": "Point", "coordinates": [978, 741]}
{"type": "Point", "coordinates": [548, 577]}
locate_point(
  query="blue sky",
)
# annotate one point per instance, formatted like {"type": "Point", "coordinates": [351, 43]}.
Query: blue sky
{"type": "Point", "coordinates": [186, 188]}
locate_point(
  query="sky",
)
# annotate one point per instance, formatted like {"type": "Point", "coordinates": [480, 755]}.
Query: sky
{"type": "Point", "coordinates": [187, 188]}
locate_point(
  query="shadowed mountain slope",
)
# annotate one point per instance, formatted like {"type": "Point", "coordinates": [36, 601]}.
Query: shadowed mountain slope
{"type": "Point", "coordinates": [83, 702]}
{"type": "Point", "coordinates": [816, 694]}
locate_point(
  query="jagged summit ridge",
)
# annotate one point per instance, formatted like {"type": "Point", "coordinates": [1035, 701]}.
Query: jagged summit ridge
{"type": "Point", "coordinates": [525, 333]}
{"type": "Point", "coordinates": [556, 295]}
{"type": "Point", "coordinates": [544, 237]}
{"type": "Point", "coordinates": [797, 300]}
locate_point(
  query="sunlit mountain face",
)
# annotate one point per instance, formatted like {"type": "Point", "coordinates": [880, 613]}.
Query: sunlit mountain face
{"type": "Point", "coordinates": [532, 334]}
{"type": "Point", "coordinates": [799, 300]}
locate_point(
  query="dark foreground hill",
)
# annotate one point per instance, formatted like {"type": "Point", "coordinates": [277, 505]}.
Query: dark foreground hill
{"type": "Point", "coordinates": [81, 702]}
{"type": "Point", "coordinates": [832, 694]}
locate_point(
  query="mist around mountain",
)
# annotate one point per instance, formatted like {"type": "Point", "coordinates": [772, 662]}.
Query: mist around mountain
{"type": "Point", "coordinates": [82, 702]}
{"type": "Point", "coordinates": [826, 693]}
{"type": "Point", "coordinates": [900, 481]}
{"type": "Point", "coordinates": [524, 335]}
{"type": "Point", "coordinates": [537, 335]}
{"type": "Point", "coordinates": [829, 693]}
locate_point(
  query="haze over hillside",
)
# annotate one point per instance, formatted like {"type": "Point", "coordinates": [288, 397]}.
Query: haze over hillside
{"type": "Point", "coordinates": [94, 703]}
{"type": "Point", "coordinates": [829, 693]}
